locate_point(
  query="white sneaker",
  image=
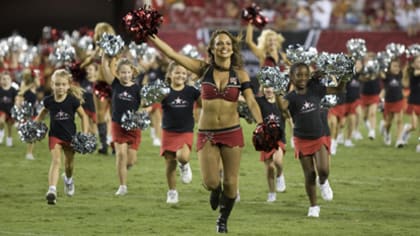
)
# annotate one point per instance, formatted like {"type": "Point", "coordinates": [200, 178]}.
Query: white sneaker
{"type": "Point", "coordinates": [326, 191]}
{"type": "Point", "coordinates": [367, 125]}
{"type": "Point", "coordinates": [371, 134]}
{"type": "Point", "coordinates": [356, 135]}
{"type": "Point", "coordinates": [68, 186]}
{"type": "Point", "coordinates": [9, 142]}
{"type": "Point", "coordinates": [382, 127]}
{"type": "Point", "coordinates": [172, 197]}
{"type": "Point", "coordinates": [122, 190]}
{"type": "Point", "coordinates": [348, 143]}
{"type": "Point", "coordinates": [387, 138]}
{"type": "Point", "coordinates": [314, 211]}
{"type": "Point", "coordinates": [156, 142]}
{"type": "Point", "coordinates": [108, 140]}
{"type": "Point", "coordinates": [406, 134]}
{"type": "Point", "coordinates": [280, 184]}
{"type": "Point", "coordinates": [418, 148]}
{"type": "Point", "coordinates": [29, 156]}
{"type": "Point", "coordinates": [399, 143]}
{"type": "Point", "coordinates": [340, 138]}
{"type": "Point", "coordinates": [292, 143]}
{"type": "Point", "coordinates": [271, 197]}
{"type": "Point", "coordinates": [1, 136]}
{"type": "Point", "coordinates": [333, 147]}
{"type": "Point", "coordinates": [51, 197]}
{"type": "Point", "coordinates": [185, 172]}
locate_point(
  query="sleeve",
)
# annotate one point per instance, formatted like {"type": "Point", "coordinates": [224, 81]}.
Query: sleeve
{"type": "Point", "coordinates": [75, 103]}
{"type": "Point", "coordinates": [197, 93]}
{"type": "Point", "coordinates": [47, 102]}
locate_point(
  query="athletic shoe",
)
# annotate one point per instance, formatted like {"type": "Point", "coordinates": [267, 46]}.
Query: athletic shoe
{"type": "Point", "coordinates": [292, 143]}
{"type": "Point", "coordinates": [326, 191]}
{"type": "Point", "coordinates": [418, 148]}
{"type": "Point", "coordinates": [185, 172]}
{"type": "Point", "coordinates": [238, 197]}
{"type": "Point", "coordinates": [382, 127]}
{"type": "Point", "coordinates": [51, 197]}
{"type": "Point", "coordinates": [29, 156]}
{"type": "Point", "coordinates": [399, 143]}
{"type": "Point", "coordinates": [333, 147]}
{"type": "Point", "coordinates": [356, 135]}
{"type": "Point", "coordinates": [387, 138]}
{"type": "Point", "coordinates": [9, 142]}
{"type": "Point", "coordinates": [122, 190]}
{"type": "Point", "coordinates": [172, 197]}
{"type": "Point", "coordinates": [367, 125]}
{"type": "Point", "coordinates": [280, 184]}
{"type": "Point", "coordinates": [156, 142]}
{"type": "Point", "coordinates": [371, 134]}
{"type": "Point", "coordinates": [271, 197]}
{"type": "Point", "coordinates": [1, 136]}
{"type": "Point", "coordinates": [314, 211]}
{"type": "Point", "coordinates": [348, 143]}
{"type": "Point", "coordinates": [340, 138]}
{"type": "Point", "coordinates": [68, 187]}
{"type": "Point", "coordinates": [406, 133]}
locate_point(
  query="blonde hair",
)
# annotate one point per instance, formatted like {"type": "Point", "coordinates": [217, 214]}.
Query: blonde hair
{"type": "Point", "coordinates": [73, 90]}
{"type": "Point", "coordinates": [28, 79]}
{"type": "Point", "coordinates": [100, 28]}
{"type": "Point", "coordinates": [169, 70]}
{"type": "Point", "coordinates": [126, 62]}
{"type": "Point", "coordinates": [262, 39]}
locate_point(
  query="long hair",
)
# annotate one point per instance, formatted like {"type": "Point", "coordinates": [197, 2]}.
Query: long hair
{"type": "Point", "coordinates": [28, 80]}
{"type": "Point", "coordinates": [262, 39]}
{"type": "Point", "coordinates": [100, 28]}
{"type": "Point", "coordinates": [73, 90]}
{"type": "Point", "coordinates": [125, 61]}
{"type": "Point", "coordinates": [236, 58]}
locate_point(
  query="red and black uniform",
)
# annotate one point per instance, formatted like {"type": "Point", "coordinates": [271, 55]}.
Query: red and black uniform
{"type": "Point", "coordinates": [352, 95]}
{"type": "Point", "coordinates": [7, 101]}
{"type": "Point", "coordinates": [309, 126]}
{"type": "Point", "coordinates": [124, 99]}
{"type": "Point", "coordinates": [271, 113]}
{"type": "Point", "coordinates": [370, 92]}
{"type": "Point", "coordinates": [178, 119]}
{"type": "Point", "coordinates": [393, 93]}
{"type": "Point", "coordinates": [414, 97]}
{"type": "Point", "coordinates": [89, 104]}
{"type": "Point", "coordinates": [62, 114]}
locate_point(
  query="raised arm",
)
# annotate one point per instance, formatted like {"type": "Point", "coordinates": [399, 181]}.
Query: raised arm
{"type": "Point", "coordinates": [194, 65]}
{"type": "Point", "coordinates": [250, 41]}
{"type": "Point", "coordinates": [107, 72]}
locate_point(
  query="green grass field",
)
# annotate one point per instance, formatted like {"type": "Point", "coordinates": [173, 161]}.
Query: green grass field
{"type": "Point", "coordinates": [376, 192]}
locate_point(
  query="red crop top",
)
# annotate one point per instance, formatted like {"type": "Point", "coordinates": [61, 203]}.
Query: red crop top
{"type": "Point", "coordinates": [210, 91]}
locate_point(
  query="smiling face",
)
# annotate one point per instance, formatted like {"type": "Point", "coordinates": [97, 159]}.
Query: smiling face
{"type": "Point", "coordinates": [125, 74]}
{"type": "Point", "coordinates": [178, 76]}
{"type": "Point", "coordinates": [300, 77]}
{"type": "Point", "coordinates": [60, 85]}
{"type": "Point", "coordinates": [5, 80]}
{"type": "Point", "coordinates": [394, 67]}
{"type": "Point", "coordinates": [268, 92]}
{"type": "Point", "coordinates": [222, 46]}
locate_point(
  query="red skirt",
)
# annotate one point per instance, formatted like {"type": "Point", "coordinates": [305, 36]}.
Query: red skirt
{"type": "Point", "coordinates": [52, 141]}
{"type": "Point", "coordinates": [369, 99]}
{"type": "Point", "coordinates": [120, 135]}
{"type": "Point", "coordinates": [267, 155]}
{"type": "Point", "coordinates": [351, 107]}
{"type": "Point", "coordinates": [91, 115]}
{"type": "Point", "coordinates": [394, 107]}
{"type": "Point", "coordinates": [8, 118]}
{"type": "Point", "coordinates": [230, 137]}
{"type": "Point", "coordinates": [413, 108]}
{"type": "Point", "coordinates": [173, 141]}
{"type": "Point", "coordinates": [307, 147]}
{"type": "Point", "coordinates": [338, 111]}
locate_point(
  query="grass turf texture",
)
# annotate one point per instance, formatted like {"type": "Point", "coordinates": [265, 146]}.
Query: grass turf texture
{"type": "Point", "coordinates": [376, 192]}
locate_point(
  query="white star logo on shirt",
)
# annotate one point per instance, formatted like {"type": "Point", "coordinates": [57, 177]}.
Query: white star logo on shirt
{"type": "Point", "coordinates": [178, 100]}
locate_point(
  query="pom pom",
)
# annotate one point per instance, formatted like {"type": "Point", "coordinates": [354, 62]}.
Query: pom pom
{"type": "Point", "coordinates": [64, 53]}
{"type": "Point", "coordinates": [155, 92]}
{"type": "Point", "coordinates": [131, 120]}
{"type": "Point", "coordinates": [141, 23]}
{"type": "Point", "coordinates": [357, 48]}
{"type": "Point", "coordinates": [83, 143]}
{"type": "Point", "coordinates": [137, 50]}
{"type": "Point", "coordinates": [273, 77]}
{"type": "Point", "coordinates": [328, 101]}
{"type": "Point", "coordinates": [23, 112]}
{"type": "Point", "coordinates": [32, 131]}
{"type": "Point", "coordinates": [339, 66]}
{"type": "Point", "coordinates": [102, 90]}
{"type": "Point", "coordinates": [266, 136]}
{"type": "Point", "coordinates": [190, 51]}
{"type": "Point", "coordinates": [371, 68]}
{"type": "Point", "coordinates": [253, 15]}
{"type": "Point", "coordinates": [384, 59]}
{"type": "Point", "coordinates": [297, 53]}
{"type": "Point", "coordinates": [412, 51]}
{"type": "Point", "coordinates": [111, 44]}
{"type": "Point", "coordinates": [245, 112]}
{"type": "Point", "coordinates": [77, 72]}
{"type": "Point", "coordinates": [4, 48]}
{"type": "Point", "coordinates": [395, 49]}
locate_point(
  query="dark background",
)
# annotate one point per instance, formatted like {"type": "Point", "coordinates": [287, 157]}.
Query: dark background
{"type": "Point", "coordinates": [28, 17]}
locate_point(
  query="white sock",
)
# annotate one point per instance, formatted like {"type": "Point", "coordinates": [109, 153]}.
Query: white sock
{"type": "Point", "coordinates": [52, 188]}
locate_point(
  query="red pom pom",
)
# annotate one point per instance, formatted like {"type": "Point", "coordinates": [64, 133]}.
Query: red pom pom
{"type": "Point", "coordinates": [265, 136]}
{"type": "Point", "coordinates": [142, 23]}
{"type": "Point", "coordinates": [252, 14]}
{"type": "Point", "coordinates": [102, 90]}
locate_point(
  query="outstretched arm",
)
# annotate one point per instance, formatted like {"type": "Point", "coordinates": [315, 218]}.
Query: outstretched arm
{"type": "Point", "coordinates": [106, 65]}
{"type": "Point", "coordinates": [194, 65]}
{"type": "Point", "coordinates": [250, 41]}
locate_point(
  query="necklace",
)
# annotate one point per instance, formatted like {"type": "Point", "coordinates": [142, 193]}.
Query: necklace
{"type": "Point", "coordinates": [217, 67]}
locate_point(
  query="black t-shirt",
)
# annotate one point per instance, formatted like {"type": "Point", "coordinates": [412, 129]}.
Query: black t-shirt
{"type": "Point", "coordinates": [30, 97]}
{"type": "Point", "coordinates": [352, 90]}
{"type": "Point", "coordinates": [178, 108]}
{"type": "Point", "coordinates": [271, 112]}
{"type": "Point", "coordinates": [393, 87]}
{"type": "Point", "coordinates": [62, 116]}
{"type": "Point", "coordinates": [7, 99]}
{"type": "Point", "coordinates": [124, 99]}
{"type": "Point", "coordinates": [88, 95]}
{"type": "Point", "coordinates": [414, 97]}
{"type": "Point", "coordinates": [305, 111]}
{"type": "Point", "coordinates": [371, 87]}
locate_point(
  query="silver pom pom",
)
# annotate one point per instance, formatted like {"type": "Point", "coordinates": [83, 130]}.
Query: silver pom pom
{"type": "Point", "coordinates": [155, 92]}
{"type": "Point", "coordinates": [357, 48]}
{"type": "Point", "coordinates": [412, 50]}
{"type": "Point", "coordinates": [17, 43]}
{"type": "Point", "coordinates": [371, 67]}
{"type": "Point", "coordinates": [328, 101]}
{"type": "Point", "coordinates": [85, 43]}
{"type": "Point", "coordinates": [395, 49]}
{"type": "Point", "coordinates": [137, 50]}
{"type": "Point", "coordinates": [384, 58]}
{"type": "Point", "coordinates": [83, 143]}
{"type": "Point", "coordinates": [131, 120]}
{"type": "Point", "coordinates": [64, 53]}
{"type": "Point", "coordinates": [272, 77]}
{"type": "Point", "coordinates": [23, 112]}
{"type": "Point", "coordinates": [190, 51]}
{"type": "Point", "coordinates": [4, 48]}
{"type": "Point", "coordinates": [336, 65]}
{"type": "Point", "coordinates": [111, 44]}
{"type": "Point", "coordinates": [245, 112]}
{"type": "Point", "coordinates": [32, 131]}
{"type": "Point", "coordinates": [296, 53]}
{"type": "Point", "coordinates": [149, 55]}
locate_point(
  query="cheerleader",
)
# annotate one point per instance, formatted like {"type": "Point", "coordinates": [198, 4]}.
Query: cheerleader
{"type": "Point", "coordinates": [7, 99]}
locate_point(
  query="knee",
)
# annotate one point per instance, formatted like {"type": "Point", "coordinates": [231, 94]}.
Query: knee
{"type": "Point", "coordinates": [310, 176]}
